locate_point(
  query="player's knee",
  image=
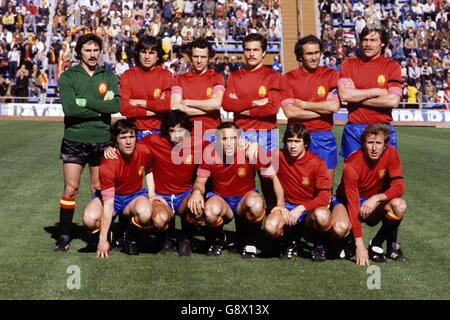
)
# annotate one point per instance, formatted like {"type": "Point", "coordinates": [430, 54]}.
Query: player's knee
{"type": "Point", "coordinates": [399, 207]}
{"type": "Point", "coordinates": [212, 211]}
{"type": "Point", "coordinates": [322, 216]}
{"type": "Point", "coordinates": [341, 228]}
{"type": "Point", "coordinates": [271, 225]}
{"type": "Point", "coordinates": [91, 219]}
{"type": "Point", "coordinates": [161, 220]}
{"type": "Point", "coordinates": [143, 212]}
{"type": "Point", "coordinates": [71, 190]}
{"type": "Point", "coordinates": [255, 204]}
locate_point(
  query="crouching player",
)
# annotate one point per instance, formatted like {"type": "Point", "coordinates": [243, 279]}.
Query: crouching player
{"type": "Point", "coordinates": [306, 185]}
{"type": "Point", "coordinates": [370, 191]}
{"type": "Point", "coordinates": [121, 190]}
{"type": "Point", "coordinates": [233, 193]}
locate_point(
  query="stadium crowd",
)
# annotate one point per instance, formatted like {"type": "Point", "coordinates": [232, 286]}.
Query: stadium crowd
{"type": "Point", "coordinates": [419, 40]}
{"type": "Point", "coordinates": [38, 38]}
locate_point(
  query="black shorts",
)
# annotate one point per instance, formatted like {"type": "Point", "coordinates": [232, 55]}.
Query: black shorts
{"type": "Point", "coordinates": [82, 152]}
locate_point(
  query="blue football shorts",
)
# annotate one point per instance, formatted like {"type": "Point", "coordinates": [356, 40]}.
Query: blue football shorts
{"type": "Point", "coordinates": [121, 202]}
{"type": "Point", "coordinates": [175, 200]}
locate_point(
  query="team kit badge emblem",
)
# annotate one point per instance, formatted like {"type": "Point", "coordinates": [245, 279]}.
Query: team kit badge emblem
{"type": "Point", "coordinates": [305, 181]}
{"type": "Point", "coordinates": [381, 80]}
{"type": "Point", "coordinates": [241, 172]}
{"type": "Point", "coordinates": [262, 91]}
{"type": "Point", "coordinates": [321, 91]}
{"type": "Point", "coordinates": [102, 88]}
{"type": "Point", "coordinates": [157, 93]}
{"type": "Point", "coordinates": [381, 173]}
{"type": "Point", "coordinates": [209, 92]}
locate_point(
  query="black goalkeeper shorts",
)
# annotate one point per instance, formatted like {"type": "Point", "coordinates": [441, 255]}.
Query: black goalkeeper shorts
{"type": "Point", "coordinates": [82, 152]}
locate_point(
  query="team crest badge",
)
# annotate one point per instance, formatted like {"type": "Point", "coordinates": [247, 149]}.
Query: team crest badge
{"type": "Point", "coordinates": [102, 88]}
{"type": "Point", "coordinates": [262, 91]}
{"type": "Point", "coordinates": [381, 80]}
{"type": "Point", "coordinates": [141, 170]}
{"type": "Point", "coordinates": [381, 173]}
{"type": "Point", "coordinates": [189, 159]}
{"type": "Point", "coordinates": [209, 92]}
{"type": "Point", "coordinates": [157, 93]}
{"type": "Point", "coordinates": [321, 91]}
{"type": "Point", "coordinates": [305, 181]}
{"type": "Point", "coordinates": [241, 172]}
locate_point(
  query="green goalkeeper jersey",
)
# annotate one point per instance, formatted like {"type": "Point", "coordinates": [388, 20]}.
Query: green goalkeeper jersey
{"type": "Point", "coordinates": [88, 103]}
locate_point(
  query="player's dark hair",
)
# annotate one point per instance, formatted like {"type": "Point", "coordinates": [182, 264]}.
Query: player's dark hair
{"type": "Point", "coordinates": [85, 38]}
{"type": "Point", "coordinates": [226, 125]}
{"type": "Point", "coordinates": [380, 29]}
{"type": "Point", "coordinates": [298, 130]}
{"type": "Point", "coordinates": [201, 43]}
{"type": "Point", "coordinates": [375, 129]}
{"type": "Point", "coordinates": [173, 118]}
{"type": "Point", "coordinates": [152, 43]}
{"type": "Point", "coordinates": [298, 50]}
{"type": "Point", "coordinates": [121, 126]}
{"type": "Point", "coordinates": [255, 37]}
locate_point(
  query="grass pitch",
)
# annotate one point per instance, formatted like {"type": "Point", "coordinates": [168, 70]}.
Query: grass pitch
{"type": "Point", "coordinates": [31, 184]}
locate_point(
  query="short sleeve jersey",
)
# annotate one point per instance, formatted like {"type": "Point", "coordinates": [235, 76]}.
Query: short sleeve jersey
{"type": "Point", "coordinates": [173, 167]}
{"type": "Point", "coordinates": [125, 176]}
{"type": "Point", "coordinates": [376, 73]}
{"type": "Point", "coordinates": [193, 86]}
{"type": "Point", "coordinates": [312, 87]}
{"type": "Point", "coordinates": [236, 178]}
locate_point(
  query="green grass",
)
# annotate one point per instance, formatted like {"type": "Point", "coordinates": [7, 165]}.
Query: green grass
{"type": "Point", "coordinates": [31, 184]}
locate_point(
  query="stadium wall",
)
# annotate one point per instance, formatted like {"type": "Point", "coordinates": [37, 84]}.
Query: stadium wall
{"type": "Point", "coordinates": [410, 117]}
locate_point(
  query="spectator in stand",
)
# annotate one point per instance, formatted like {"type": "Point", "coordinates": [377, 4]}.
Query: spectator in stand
{"type": "Point", "coordinates": [414, 73]}
{"type": "Point", "coordinates": [13, 62]}
{"type": "Point", "coordinates": [336, 11]}
{"type": "Point", "coordinates": [34, 86]}
{"type": "Point", "coordinates": [430, 91]}
{"type": "Point", "coordinates": [121, 67]}
{"type": "Point", "coordinates": [21, 87]}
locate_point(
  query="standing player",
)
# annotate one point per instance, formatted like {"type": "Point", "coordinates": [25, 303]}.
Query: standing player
{"type": "Point", "coordinates": [305, 181]}
{"type": "Point", "coordinates": [89, 95]}
{"type": "Point", "coordinates": [121, 190]}
{"type": "Point", "coordinates": [199, 92]}
{"type": "Point", "coordinates": [145, 89]}
{"type": "Point", "coordinates": [253, 94]}
{"type": "Point", "coordinates": [233, 192]}
{"type": "Point", "coordinates": [371, 85]}
{"type": "Point", "coordinates": [370, 191]}
{"type": "Point", "coordinates": [312, 99]}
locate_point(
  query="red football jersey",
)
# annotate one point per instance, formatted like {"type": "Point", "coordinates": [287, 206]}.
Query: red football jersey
{"type": "Point", "coordinates": [173, 167]}
{"type": "Point", "coordinates": [125, 177]}
{"type": "Point", "coordinates": [376, 73]}
{"type": "Point", "coordinates": [244, 86]}
{"type": "Point", "coordinates": [236, 178]}
{"type": "Point", "coordinates": [362, 180]}
{"type": "Point", "coordinates": [193, 86]}
{"type": "Point", "coordinates": [154, 86]}
{"type": "Point", "coordinates": [312, 87]}
{"type": "Point", "coordinates": [305, 181]}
